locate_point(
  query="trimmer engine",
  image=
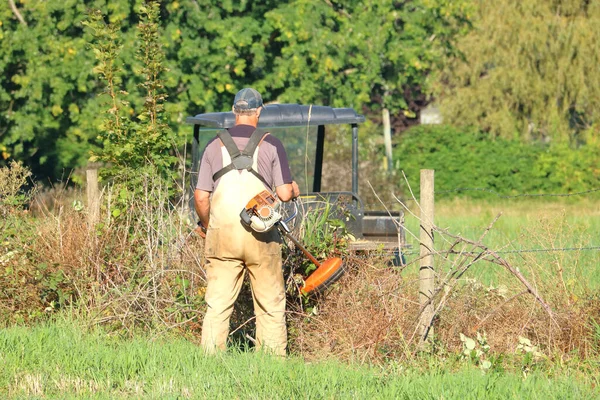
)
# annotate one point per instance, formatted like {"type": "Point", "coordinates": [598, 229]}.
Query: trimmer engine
{"type": "Point", "coordinates": [260, 214]}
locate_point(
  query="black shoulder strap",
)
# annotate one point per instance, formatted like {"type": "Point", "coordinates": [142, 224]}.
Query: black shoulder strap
{"type": "Point", "coordinates": [229, 144]}
{"type": "Point", "coordinates": [235, 153]}
{"type": "Point", "coordinates": [253, 143]}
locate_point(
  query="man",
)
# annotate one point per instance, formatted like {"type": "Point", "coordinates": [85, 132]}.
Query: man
{"type": "Point", "coordinates": [232, 249]}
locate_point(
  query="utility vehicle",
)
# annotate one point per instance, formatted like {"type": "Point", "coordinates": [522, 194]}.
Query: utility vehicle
{"type": "Point", "coordinates": [302, 129]}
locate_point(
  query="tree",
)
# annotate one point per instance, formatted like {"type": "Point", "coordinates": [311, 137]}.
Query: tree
{"type": "Point", "coordinates": [363, 54]}
{"type": "Point", "coordinates": [366, 55]}
{"type": "Point", "coordinates": [146, 139]}
{"type": "Point", "coordinates": [48, 90]}
{"type": "Point", "coordinates": [528, 69]}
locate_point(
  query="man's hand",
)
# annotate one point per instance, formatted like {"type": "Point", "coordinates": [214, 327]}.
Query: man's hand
{"type": "Point", "coordinates": [295, 190]}
{"type": "Point", "coordinates": [202, 205]}
{"type": "Point", "coordinates": [201, 231]}
{"type": "Point", "coordinates": [288, 191]}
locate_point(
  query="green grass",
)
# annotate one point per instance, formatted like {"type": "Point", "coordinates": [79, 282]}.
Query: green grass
{"type": "Point", "coordinates": [60, 360]}
{"type": "Point", "coordinates": [526, 225]}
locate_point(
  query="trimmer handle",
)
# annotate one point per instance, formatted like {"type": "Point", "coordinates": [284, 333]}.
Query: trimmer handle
{"type": "Point", "coordinates": [285, 221]}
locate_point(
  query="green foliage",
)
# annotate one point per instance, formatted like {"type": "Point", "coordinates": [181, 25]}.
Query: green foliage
{"type": "Point", "coordinates": [46, 86]}
{"type": "Point", "coordinates": [13, 196]}
{"type": "Point", "coordinates": [468, 159]}
{"type": "Point", "coordinates": [350, 53]}
{"type": "Point", "coordinates": [325, 232]}
{"type": "Point", "coordinates": [129, 144]}
{"type": "Point", "coordinates": [566, 170]}
{"type": "Point", "coordinates": [528, 70]}
{"type": "Point", "coordinates": [15, 232]}
{"type": "Point", "coordinates": [465, 159]}
{"type": "Point", "coordinates": [477, 350]}
{"type": "Point", "coordinates": [28, 285]}
{"type": "Point", "coordinates": [367, 55]}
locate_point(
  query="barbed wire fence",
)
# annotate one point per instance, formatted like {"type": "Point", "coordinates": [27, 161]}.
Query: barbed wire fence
{"type": "Point", "coordinates": [460, 253]}
{"type": "Point", "coordinates": [504, 196]}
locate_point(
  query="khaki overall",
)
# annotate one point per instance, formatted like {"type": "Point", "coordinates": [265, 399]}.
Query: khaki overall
{"type": "Point", "coordinates": [230, 251]}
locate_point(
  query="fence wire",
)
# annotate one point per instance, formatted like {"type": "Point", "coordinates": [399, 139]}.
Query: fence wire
{"type": "Point", "coordinates": [589, 248]}
{"type": "Point", "coordinates": [374, 205]}
{"type": "Point", "coordinates": [499, 195]}
{"type": "Point", "coordinates": [502, 196]}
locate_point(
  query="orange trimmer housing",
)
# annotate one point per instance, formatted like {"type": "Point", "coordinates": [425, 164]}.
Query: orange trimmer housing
{"type": "Point", "coordinates": [328, 272]}
{"type": "Point", "coordinates": [258, 203]}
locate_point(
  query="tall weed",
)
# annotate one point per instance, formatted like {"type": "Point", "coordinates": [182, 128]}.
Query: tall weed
{"type": "Point", "coordinates": [13, 196]}
{"type": "Point", "coordinates": [139, 266]}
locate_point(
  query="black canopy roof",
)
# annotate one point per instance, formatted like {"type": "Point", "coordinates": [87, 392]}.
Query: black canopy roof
{"type": "Point", "coordinates": [280, 115]}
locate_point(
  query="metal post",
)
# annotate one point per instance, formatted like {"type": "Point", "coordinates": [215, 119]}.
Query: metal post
{"type": "Point", "coordinates": [426, 271]}
{"type": "Point", "coordinates": [195, 159]}
{"type": "Point", "coordinates": [319, 158]}
{"type": "Point", "coordinates": [355, 159]}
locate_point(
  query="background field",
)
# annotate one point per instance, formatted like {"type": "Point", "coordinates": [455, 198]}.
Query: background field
{"type": "Point", "coordinates": [524, 234]}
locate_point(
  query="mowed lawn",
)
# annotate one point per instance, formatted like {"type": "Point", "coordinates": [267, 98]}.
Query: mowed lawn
{"type": "Point", "coordinates": [61, 360]}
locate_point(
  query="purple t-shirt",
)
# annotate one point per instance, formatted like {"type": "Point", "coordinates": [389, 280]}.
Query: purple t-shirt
{"type": "Point", "coordinates": [272, 160]}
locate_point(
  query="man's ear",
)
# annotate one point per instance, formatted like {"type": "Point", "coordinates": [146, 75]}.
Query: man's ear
{"type": "Point", "coordinates": [258, 111]}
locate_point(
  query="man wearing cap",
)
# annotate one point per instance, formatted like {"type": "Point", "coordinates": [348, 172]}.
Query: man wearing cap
{"type": "Point", "coordinates": [231, 249]}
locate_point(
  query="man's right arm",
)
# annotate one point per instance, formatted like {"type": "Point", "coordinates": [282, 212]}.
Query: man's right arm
{"type": "Point", "coordinates": [204, 187]}
{"type": "Point", "coordinates": [202, 206]}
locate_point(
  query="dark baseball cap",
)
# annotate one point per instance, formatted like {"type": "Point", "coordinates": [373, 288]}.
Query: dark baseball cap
{"type": "Point", "coordinates": [247, 99]}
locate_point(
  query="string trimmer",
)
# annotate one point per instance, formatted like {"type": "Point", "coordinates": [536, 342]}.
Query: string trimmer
{"type": "Point", "coordinates": [261, 215]}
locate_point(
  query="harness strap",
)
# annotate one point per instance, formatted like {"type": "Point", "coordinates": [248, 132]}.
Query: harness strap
{"type": "Point", "coordinates": [248, 154]}
{"type": "Point", "coordinates": [255, 139]}
{"type": "Point", "coordinates": [217, 175]}
{"type": "Point", "coordinates": [259, 176]}
{"type": "Point", "coordinates": [229, 144]}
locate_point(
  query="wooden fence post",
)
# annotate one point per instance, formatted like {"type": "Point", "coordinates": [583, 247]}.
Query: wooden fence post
{"type": "Point", "coordinates": [93, 196]}
{"type": "Point", "coordinates": [426, 271]}
{"type": "Point", "coordinates": [387, 138]}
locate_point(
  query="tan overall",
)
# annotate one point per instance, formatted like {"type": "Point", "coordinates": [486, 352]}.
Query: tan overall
{"type": "Point", "coordinates": [230, 251]}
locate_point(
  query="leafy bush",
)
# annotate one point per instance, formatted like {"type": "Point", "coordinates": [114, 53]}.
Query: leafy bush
{"type": "Point", "coordinates": [470, 159]}
{"type": "Point", "coordinates": [28, 283]}
{"type": "Point", "coordinates": [564, 169]}
{"type": "Point", "coordinates": [140, 264]}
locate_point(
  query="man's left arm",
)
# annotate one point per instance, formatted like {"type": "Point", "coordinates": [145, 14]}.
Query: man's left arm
{"type": "Point", "coordinates": [286, 188]}
{"type": "Point", "coordinates": [287, 191]}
